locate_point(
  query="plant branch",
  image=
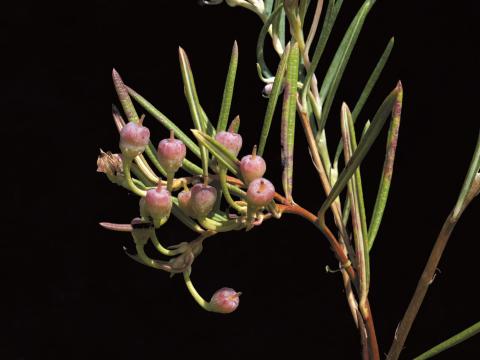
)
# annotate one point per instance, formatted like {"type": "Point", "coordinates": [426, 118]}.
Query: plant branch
{"type": "Point", "coordinates": [470, 189]}
{"type": "Point", "coordinates": [421, 290]}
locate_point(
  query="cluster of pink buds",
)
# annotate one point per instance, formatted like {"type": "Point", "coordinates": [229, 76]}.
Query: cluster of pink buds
{"type": "Point", "coordinates": [195, 200]}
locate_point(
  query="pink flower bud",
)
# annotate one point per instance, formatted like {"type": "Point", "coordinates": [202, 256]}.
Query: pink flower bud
{"type": "Point", "coordinates": [134, 138]}
{"type": "Point", "coordinates": [202, 200]}
{"type": "Point", "coordinates": [267, 90]}
{"type": "Point", "coordinates": [171, 153]}
{"type": "Point", "coordinates": [260, 192]}
{"type": "Point", "coordinates": [158, 203]}
{"type": "Point", "coordinates": [225, 301]}
{"type": "Point", "coordinates": [252, 167]}
{"type": "Point", "coordinates": [231, 140]}
{"type": "Point", "coordinates": [184, 197]}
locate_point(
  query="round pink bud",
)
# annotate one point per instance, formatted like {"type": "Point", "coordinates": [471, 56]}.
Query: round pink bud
{"type": "Point", "coordinates": [252, 167]}
{"type": "Point", "coordinates": [232, 141]}
{"type": "Point", "coordinates": [267, 90]}
{"type": "Point", "coordinates": [134, 138]}
{"type": "Point", "coordinates": [158, 202]}
{"type": "Point", "coordinates": [184, 197]}
{"type": "Point", "coordinates": [171, 153]}
{"type": "Point", "coordinates": [260, 192]}
{"type": "Point", "coordinates": [202, 200]}
{"type": "Point", "coordinates": [225, 301]}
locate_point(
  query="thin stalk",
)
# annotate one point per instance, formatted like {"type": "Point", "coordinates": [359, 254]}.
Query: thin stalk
{"type": "Point", "coordinates": [226, 192]}
{"type": "Point", "coordinates": [159, 246]}
{"type": "Point", "coordinates": [336, 209]}
{"type": "Point", "coordinates": [422, 288]}
{"type": "Point", "coordinates": [128, 178]}
{"type": "Point", "coordinates": [472, 184]}
{"type": "Point", "coordinates": [333, 8]}
{"type": "Point", "coordinates": [454, 340]}
{"type": "Point", "coordinates": [196, 296]}
{"type": "Point", "coordinates": [314, 26]}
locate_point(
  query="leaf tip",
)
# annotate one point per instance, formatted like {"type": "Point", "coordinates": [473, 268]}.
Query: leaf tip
{"type": "Point", "coordinates": [345, 107]}
{"type": "Point", "coordinates": [181, 53]}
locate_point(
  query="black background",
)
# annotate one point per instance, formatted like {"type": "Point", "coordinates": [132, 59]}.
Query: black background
{"type": "Point", "coordinates": [69, 290]}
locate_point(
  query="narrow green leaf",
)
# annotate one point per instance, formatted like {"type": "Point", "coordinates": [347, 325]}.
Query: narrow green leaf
{"type": "Point", "coordinates": [228, 91]}
{"type": "Point", "coordinates": [332, 11]}
{"type": "Point", "coordinates": [337, 67]}
{"type": "Point", "coordinates": [191, 168]}
{"type": "Point", "coordinates": [272, 101]}
{"type": "Point", "coordinates": [346, 207]}
{"type": "Point", "coordinates": [223, 156]}
{"type": "Point", "coordinates": [473, 172]}
{"type": "Point", "coordinates": [369, 87]}
{"type": "Point", "coordinates": [190, 94]}
{"type": "Point", "coordinates": [360, 200]}
{"type": "Point", "coordinates": [166, 122]}
{"type": "Point", "coordinates": [386, 179]}
{"type": "Point", "coordinates": [124, 98]}
{"type": "Point", "coordinates": [288, 120]}
{"type": "Point", "coordinates": [366, 142]}
{"type": "Point", "coordinates": [372, 80]}
{"type": "Point", "coordinates": [261, 41]}
{"type": "Point", "coordinates": [454, 340]}
{"type": "Point", "coordinates": [207, 125]}
{"type": "Point", "coordinates": [278, 25]}
{"type": "Point", "coordinates": [268, 4]}
{"type": "Point", "coordinates": [356, 199]}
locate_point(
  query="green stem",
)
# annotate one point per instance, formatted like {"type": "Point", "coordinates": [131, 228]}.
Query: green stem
{"type": "Point", "coordinates": [226, 192]}
{"type": "Point", "coordinates": [198, 298]}
{"type": "Point", "coordinates": [159, 246]}
{"type": "Point", "coordinates": [170, 176]}
{"type": "Point", "coordinates": [454, 340]}
{"type": "Point", "coordinates": [128, 177]}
